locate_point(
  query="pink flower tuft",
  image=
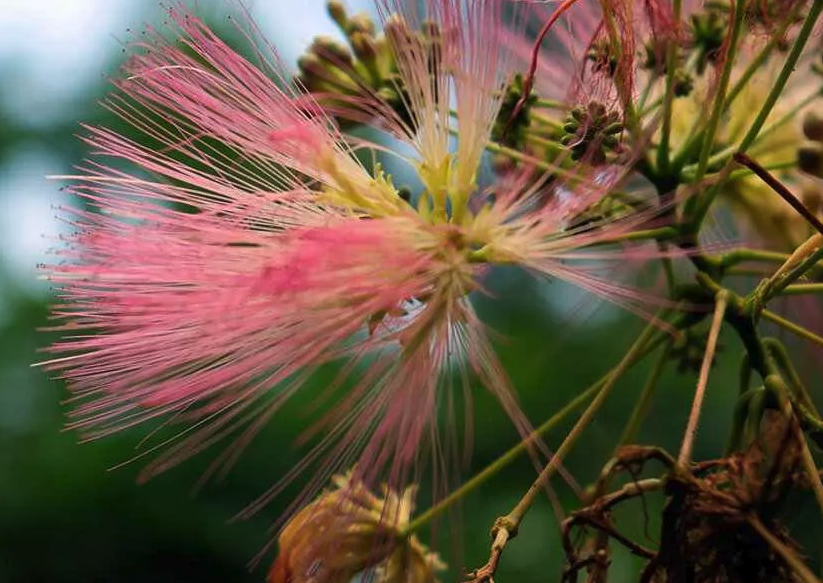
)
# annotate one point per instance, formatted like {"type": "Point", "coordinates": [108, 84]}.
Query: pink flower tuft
{"type": "Point", "coordinates": [247, 246]}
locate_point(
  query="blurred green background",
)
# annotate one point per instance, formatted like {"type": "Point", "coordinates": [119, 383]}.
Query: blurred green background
{"type": "Point", "coordinates": [67, 516]}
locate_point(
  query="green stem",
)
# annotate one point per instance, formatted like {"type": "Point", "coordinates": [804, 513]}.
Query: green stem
{"type": "Point", "coordinates": [789, 116]}
{"type": "Point", "coordinates": [715, 160]}
{"type": "Point", "coordinates": [741, 255]}
{"type": "Point", "coordinates": [507, 458]}
{"type": "Point", "coordinates": [788, 68]}
{"type": "Point", "coordinates": [781, 358]}
{"type": "Point", "coordinates": [549, 121]}
{"type": "Point", "coordinates": [800, 289]}
{"type": "Point", "coordinates": [722, 157]}
{"type": "Point", "coordinates": [779, 84]}
{"type": "Point", "coordinates": [792, 327]}
{"type": "Point", "coordinates": [552, 146]}
{"type": "Point", "coordinates": [720, 98]}
{"type": "Point", "coordinates": [511, 521]}
{"type": "Point", "coordinates": [756, 64]}
{"type": "Point", "coordinates": [644, 95]}
{"type": "Point", "coordinates": [663, 149]}
{"type": "Point", "coordinates": [668, 269]}
{"type": "Point", "coordinates": [550, 104]}
{"type": "Point", "coordinates": [496, 148]}
{"type": "Point", "coordinates": [661, 233]}
{"type": "Point", "coordinates": [689, 177]}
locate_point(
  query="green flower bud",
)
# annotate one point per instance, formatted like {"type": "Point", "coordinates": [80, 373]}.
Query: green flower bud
{"type": "Point", "coordinates": [337, 11]}
{"type": "Point", "coordinates": [363, 47]}
{"type": "Point", "coordinates": [362, 23]}
{"type": "Point", "coordinates": [330, 49]}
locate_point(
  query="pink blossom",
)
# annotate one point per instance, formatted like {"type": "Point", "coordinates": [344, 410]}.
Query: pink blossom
{"type": "Point", "coordinates": [246, 245]}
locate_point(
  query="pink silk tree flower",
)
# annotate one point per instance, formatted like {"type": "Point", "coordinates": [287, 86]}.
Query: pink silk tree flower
{"type": "Point", "coordinates": [239, 244]}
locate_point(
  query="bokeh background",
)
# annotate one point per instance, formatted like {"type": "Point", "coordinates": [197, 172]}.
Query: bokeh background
{"type": "Point", "coordinates": [72, 512]}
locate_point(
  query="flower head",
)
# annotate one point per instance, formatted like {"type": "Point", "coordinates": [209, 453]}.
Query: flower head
{"type": "Point", "coordinates": [248, 245]}
{"type": "Point", "coordinates": [348, 531]}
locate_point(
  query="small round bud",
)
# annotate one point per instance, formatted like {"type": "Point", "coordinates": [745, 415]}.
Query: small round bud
{"type": "Point", "coordinates": [810, 158]}
{"type": "Point", "coordinates": [309, 65]}
{"type": "Point", "coordinates": [813, 126]}
{"type": "Point", "coordinates": [330, 49]}
{"type": "Point", "coordinates": [337, 11]}
{"type": "Point", "coordinates": [363, 47]}
{"type": "Point", "coordinates": [683, 83]}
{"type": "Point", "coordinates": [388, 94]}
{"type": "Point", "coordinates": [362, 23]}
{"type": "Point", "coordinates": [613, 128]}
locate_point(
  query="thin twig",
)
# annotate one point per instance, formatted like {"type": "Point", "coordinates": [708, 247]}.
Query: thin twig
{"type": "Point", "coordinates": [691, 428]}
{"type": "Point", "coordinates": [506, 527]}
{"type": "Point", "coordinates": [779, 188]}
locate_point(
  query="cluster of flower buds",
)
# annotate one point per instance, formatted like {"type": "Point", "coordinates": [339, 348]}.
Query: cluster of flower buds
{"type": "Point", "coordinates": [335, 71]}
{"type": "Point", "coordinates": [514, 119]}
{"type": "Point", "coordinates": [349, 531]}
{"type": "Point", "coordinates": [340, 74]}
{"type": "Point", "coordinates": [655, 60]}
{"type": "Point", "coordinates": [591, 132]}
{"type": "Point", "coordinates": [708, 30]}
{"type": "Point", "coordinates": [603, 56]}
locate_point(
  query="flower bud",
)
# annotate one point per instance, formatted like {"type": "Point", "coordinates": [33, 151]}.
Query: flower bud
{"type": "Point", "coordinates": [683, 83]}
{"type": "Point", "coordinates": [337, 11]}
{"type": "Point", "coordinates": [364, 47]}
{"type": "Point", "coordinates": [810, 158]}
{"type": "Point", "coordinates": [813, 126]}
{"type": "Point", "coordinates": [330, 49]}
{"type": "Point", "coordinates": [362, 23]}
{"type": "Point", "coordinates": [310, 66]}
{"type": "Point", "coordinates": [348, 531]}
